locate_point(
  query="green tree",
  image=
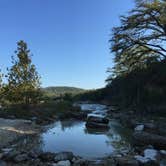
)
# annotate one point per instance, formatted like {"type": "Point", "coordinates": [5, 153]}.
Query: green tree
{"type": "Point", "coordinates": [1, 80]}
{"type": "Point", "coordinates": [1, 85]}
{"type": "Point", "coordinates": [23, 80]}
{"type": "Point", "coordinates": [141, 38]}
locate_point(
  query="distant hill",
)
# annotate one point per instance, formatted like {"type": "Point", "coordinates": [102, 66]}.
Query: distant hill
{"type": "Point", "coordinates": [60, 90]}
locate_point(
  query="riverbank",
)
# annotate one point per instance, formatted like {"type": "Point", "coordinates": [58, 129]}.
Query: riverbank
{"type": "Point", "coordinates": [148, 136]}
{"type": "Point", "coordinates": [12, 130]}
{"type": "Point", "coordinates": [37, 144]}
{"type": "Point", "coordinates": [44, 113]}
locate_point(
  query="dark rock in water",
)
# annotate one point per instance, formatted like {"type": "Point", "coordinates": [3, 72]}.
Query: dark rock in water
{"type": "Point", "coordinates": [97, 122]}
{"type": "Point", "coordinates": [97, 125]}
{"type": "Point", "coordinates": [96, 131]}
{"type": "Point", "coordinates": [144, 138]}
{"type": "Point", "coordinates": [63, 156]}
{"type": "Point", "coordinates": [98, 119]}
{"type": "Point", "coordinates": [47, 156]}
{"type": "Point", "coordinates": [125, 161]}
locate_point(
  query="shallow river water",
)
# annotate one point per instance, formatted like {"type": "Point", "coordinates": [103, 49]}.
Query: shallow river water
{"type": "Point", "coordinates": [72, 135]}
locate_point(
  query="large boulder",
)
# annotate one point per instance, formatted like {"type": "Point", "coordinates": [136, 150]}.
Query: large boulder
{"type": "Point", "coordinates": [144, 138]}
{"type": "Point", "coordinates": [97, 122]}
{"type": "Point", "coordinates": [98, 119]}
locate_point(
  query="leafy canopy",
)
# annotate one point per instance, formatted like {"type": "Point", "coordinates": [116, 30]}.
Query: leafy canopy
{"type": "Point", "coordinates": [141, 38]}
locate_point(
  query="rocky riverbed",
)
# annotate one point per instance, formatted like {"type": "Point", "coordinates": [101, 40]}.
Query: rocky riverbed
{"type": "Point", "coordinates": [73, 143]}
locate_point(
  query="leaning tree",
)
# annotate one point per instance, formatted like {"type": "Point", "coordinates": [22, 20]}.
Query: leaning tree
{"type": "Point", "coordinates": [141, 37]}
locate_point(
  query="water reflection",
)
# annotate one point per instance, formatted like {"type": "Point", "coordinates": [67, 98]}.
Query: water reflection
{"type": "Point", "coordinates": [72, 135]}
{"type": "Point", "coordinates": [77, 139]}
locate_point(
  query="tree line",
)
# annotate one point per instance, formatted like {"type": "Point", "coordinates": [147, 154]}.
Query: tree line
{"type": "Point", "coordinates": [138, 46]}
{"type": "Point", "coordinates": [22, 85]}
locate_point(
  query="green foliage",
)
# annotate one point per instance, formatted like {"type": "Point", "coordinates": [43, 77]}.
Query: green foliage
{"type": "Point", "coordinates": [0, 80]}
{"type": "Point", "coordinates": [141, 38]}
{"type": "Point", "coordinates": [140, 87]}
{"type": "Point", "coordinates": [1, 87]}
{"type": "Point", "coordinates": [23, 80]}
{"type": "Point", "coordinates": [61, 91]}
{"type": "Point", "coordinates": [48, 111]}
{"type": "Point", "coordinates": [138, 77]}
{"type": "Point", "coordinates": [91, 95]}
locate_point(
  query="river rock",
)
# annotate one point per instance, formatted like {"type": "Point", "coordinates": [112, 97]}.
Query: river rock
{"type": "Point", "coordinates": [139, 128]}
{"type": "Point", "coordinates": [34, 154]}
{"type": "Point", "coordinates": [7, 150]}
{"type": "Point", "coordinates": [63, 156]}
{"type": "Point", "coordinates": [96, 125]}
{"type": "Point", "coordinates": [63, 163]}
{"type": "Point", "coordinates": [21, 157]}
{"type": "Point", "coordinates": [151, 158]}
{"type": "Point", "coordinates": [11, 155]}
{"type": "Point", "coordinates": [81, 162]}
{"type": "Point", "coordinates": [98, 119]}
{"type": "Point", "coordinates": [163, 153]}
{"type": "Point", "coordinates": [126, 161]}
{"type": "Point", "coordinates": [144, 138]}
{"type": "Point", "coordinates": [97, 122]}
{"type": "Point", "coordinates": [47, 156]}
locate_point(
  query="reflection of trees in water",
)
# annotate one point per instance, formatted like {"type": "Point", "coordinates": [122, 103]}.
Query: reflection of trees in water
{"type": "Point", "coordinates": [99, 131]}
{"type": "Point", "coordinates": [68, 124]}
{"type": "Point", "coordinates": [119, 137]}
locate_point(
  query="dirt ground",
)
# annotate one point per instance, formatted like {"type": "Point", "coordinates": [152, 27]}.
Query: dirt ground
{"type": "Point", "coordinates": [11, 130]}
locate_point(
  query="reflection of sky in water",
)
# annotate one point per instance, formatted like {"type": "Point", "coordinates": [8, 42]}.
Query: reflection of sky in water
{"type": "Point", "coordinates": [73, 136]}
{"type": "Point", "coordinates": [80, 141]}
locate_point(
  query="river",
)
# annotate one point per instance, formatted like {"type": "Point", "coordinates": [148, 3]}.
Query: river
{"type": "Point", "coordinates": [72, 135]}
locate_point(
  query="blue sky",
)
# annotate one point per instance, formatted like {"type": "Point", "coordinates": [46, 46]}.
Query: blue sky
{"type": "Point", "coordinates": [68, 38]}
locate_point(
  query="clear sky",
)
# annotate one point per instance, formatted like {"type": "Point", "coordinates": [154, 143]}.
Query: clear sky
{"type": "Point", "coordinates": [68, 38]}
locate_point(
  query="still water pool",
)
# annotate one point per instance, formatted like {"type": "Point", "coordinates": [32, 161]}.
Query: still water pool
{"type": "Point", "coordinates": [73, 136]}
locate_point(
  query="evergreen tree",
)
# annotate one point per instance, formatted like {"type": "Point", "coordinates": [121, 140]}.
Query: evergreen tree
{"type": "Point", "coordinates": [23, 79]}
